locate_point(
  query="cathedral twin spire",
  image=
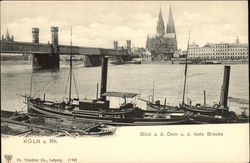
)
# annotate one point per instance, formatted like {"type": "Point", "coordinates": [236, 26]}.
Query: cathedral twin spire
{"type": "Point", "coordinates": [164, 44]}
{"type": "Point", "coordinates": [170, 26]}
{"type": "Point", "coordinates": [160, 29]}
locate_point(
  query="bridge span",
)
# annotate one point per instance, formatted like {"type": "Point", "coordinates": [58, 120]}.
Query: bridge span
{"type": "Point", "coordinates": [46, 56]}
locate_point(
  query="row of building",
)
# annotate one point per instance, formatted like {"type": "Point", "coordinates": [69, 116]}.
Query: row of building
{"type": "Point", "coordinates": [219, 51]}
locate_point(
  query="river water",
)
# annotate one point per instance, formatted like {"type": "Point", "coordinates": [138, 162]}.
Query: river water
{"type": "Point", "coordinates": [168, 83]}
{"type": "Point", "coordinates": [163, 143]}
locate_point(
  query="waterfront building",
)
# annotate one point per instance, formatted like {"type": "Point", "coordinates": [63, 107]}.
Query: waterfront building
{"type": "Point", "coordinates": [164, 44]}
{"type": "Point", "coordinates": [147, 56]}
{"type": "Point", "coordinates": [138, 51]}
{"type": "Point", "coordinates": [7, 36]}
{"type": "Point", "coordinates": [219, 51]}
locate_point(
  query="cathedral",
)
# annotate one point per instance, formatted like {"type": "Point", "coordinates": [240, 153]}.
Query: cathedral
{"type": "Point", "coordinates": [163, 45]}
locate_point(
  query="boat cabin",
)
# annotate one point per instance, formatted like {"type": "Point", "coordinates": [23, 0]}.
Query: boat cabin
{"type": "Point", "coordinates": [104, 105]}
{"type": "Point", "coordinates": [93, 104]}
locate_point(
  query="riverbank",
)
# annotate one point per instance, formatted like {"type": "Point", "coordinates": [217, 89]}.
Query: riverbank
{"type": "Point", "coordinates": [16, 62]}
{"type": "Point", "coordinates": [143, 62]}
{"type": "Point", "coordinates": [209, 62]}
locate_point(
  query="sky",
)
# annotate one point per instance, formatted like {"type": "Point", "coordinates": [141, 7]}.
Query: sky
{"type": "Point", "coordinates": [98, 24]}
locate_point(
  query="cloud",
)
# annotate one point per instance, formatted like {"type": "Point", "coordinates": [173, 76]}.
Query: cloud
{"type": "Point", "coordinates": [98, 24]}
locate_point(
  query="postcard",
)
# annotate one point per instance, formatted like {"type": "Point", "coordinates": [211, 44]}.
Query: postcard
{"type": "Point", "coordinates": [124, 81]}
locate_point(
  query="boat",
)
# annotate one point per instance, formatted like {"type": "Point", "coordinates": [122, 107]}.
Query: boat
{"type": "Point", "coordinates": [243, 117]}
{"type": "Point", "coordinates": [156, 106]}
{"type": "Point", "coordinates": [163, 108]}
{"type": "Point", "coordinates": [219, 113]}
{"type": "Point", "coordinates": [125, 62]}
{"type": "Point", "coordinates": [199, 61]}
{"type": "Point", "coordinates": [205, 119]}
{"type": "Point", "coordinates": [100, 130]}
{"type": "Point", "coordinates": [132, 62]}
{"type": "Point", "coordinates": [199, 109]}
{"type": "Point", "coordinates": [211, 62]}
{"type": "Point", "coordinates": [99, 111]}
{"type": "Point", "coordinates": [22, 124]}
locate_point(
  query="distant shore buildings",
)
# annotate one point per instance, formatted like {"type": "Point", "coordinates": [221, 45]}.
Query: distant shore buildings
{"type": "Point", "coordinates": [7, 36]}
{"type": "Point", "coordinates": [12, 57]}
{"type": "Point", "coordinates": [219, 51]}
{"type": "Point", "coordinates": [163, 45]}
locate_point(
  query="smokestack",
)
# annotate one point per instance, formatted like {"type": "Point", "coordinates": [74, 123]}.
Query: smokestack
{"type": "Point", "coordinates": [225, 87]}
{"type": "Point", "coordinates": [104, 77]}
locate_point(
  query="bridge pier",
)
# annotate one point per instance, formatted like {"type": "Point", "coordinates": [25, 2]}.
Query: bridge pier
{"type": "Point", "coordinates": [46, 61]}
{"type": "Point", "coordinates": [90, 61]}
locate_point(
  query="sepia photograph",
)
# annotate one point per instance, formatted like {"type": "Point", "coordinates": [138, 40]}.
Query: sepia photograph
{"type": "Point", "coordinates": [124, 81]}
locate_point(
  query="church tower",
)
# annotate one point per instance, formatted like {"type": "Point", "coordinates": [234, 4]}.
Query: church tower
{"type": "Point", "coordinates": [160, 28]}
{"type": "Point", "coordinates": [237, 41]}
{"type": "Point", "coordinates": [170, 25]}
{"type": "Point", "coordinates": [170, 32]}
{"type": "Point", "coordinates": [163, 45]}
{"type": "Point", "coordinates": [7, 36]}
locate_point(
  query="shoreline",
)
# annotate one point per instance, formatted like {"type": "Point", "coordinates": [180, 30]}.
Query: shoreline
{"type": "Point", "coordinates": [179, 62]}
{"type": "Point", "coordinates": [143, 62]}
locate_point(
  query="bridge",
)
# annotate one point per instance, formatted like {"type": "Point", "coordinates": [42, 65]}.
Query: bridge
{"type": "Point", "coordinates": [45, 49]}
{"type": "Point", "coordinates": [46, 56]}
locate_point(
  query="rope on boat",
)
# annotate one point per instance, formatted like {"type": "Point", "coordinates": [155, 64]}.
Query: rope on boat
{"type": "Point", "coordinates": [65, 91]}
{"type": "Point", "coordinates": [75, 85]}
{"type": "Point", "coordinates": [195, 74]}
{"type": "Point", "coordinates": [40, 90]}
{"type": "Point", "coordinates": [186, 93]}
{"type": "Point", "coordinates": [209, 94]}
{"type": "Point", "coordinates": [21, 110]}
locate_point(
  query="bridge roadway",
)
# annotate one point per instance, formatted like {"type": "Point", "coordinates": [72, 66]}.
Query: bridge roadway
{"type": "Point", "coordinates": [45, 49]}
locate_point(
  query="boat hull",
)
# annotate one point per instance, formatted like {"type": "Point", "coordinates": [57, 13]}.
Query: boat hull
{"type": "Point", "coordinates": [110, 120]}
{"type": "Point", "coordinates": [163, 108]}
{"type": "Point", "coordinates": [204, 119]}
{"type": "Point", "coordinates": [202, 110]}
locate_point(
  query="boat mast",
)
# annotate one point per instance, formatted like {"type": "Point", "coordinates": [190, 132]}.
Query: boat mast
{"type": "Point", "coordinates": [70, 71]}
{"type": "Point", "coordinates": [165, 102]}
{"type": "Point", "coordinates": [153, 91]}
{"type": "Point", "coordinates": [97, 91]}
{"type": "Point", "coordinates": [205, 98]}
{"type": "Point", "coordinates": [185, 73]}
{"type": "Point", "coordinates": [31, 83]}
